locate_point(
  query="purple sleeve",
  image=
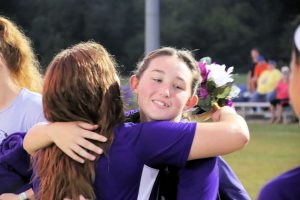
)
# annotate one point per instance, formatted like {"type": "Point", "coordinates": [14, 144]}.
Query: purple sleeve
{"type": "Point", "coordinates": [12, 154]}
{"type": "Point", "coordinates": [285, 186]}
{"type": "Point", "coordinates": [163, 142]}
{"type": "Point", "coordinates": [10, 181]}
{"type": "Point", "coordinates": [230, 185]}
{"type": "Point", "coordinates": [15, 170]}
{"type": "Point", "coordinates": [199, 179]}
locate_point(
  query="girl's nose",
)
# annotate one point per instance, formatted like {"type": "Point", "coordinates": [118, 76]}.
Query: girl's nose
{"type": "Point", "coordinates": [165, 90]}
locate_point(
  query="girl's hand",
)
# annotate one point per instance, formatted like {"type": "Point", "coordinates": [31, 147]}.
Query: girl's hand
{"type": "Point", "coordinates": [71, 138]}
{"type": "Point", "coordinates": [9, 196]}
{"type": "Point", "coordinates": [222, 112]}
{"type": "Point", "coordinates": [216, 116]}
{"type": "Point", "coordinates": [80, 198]}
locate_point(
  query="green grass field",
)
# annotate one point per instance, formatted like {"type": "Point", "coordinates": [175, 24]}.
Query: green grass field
{"type": "Point", "coordinates": [272, 150]}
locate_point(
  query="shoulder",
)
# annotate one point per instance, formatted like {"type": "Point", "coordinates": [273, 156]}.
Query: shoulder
{"type": "Point", "coordinates": [30, 96]}
{"type": "Point", "coordinates": [27, 102]}
{"type": "Point", "coordinates": [30, 100]}
{"type": "Point", "coordinates": [31, 104]}
{"type": "Point", "coordinates": [155, 129]}
{"type": "Point", "coordinates": [284, 186]}
{"type": "Point", "coordinates": [165, 127]}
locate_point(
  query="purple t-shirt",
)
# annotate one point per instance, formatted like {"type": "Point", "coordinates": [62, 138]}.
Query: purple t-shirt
{"type": "Point", "coordinates": [285, 186]}
{"type": "Point", "coordinates": [154, 143]}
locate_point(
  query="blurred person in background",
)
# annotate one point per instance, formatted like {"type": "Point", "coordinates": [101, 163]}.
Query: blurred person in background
{"type": "Point", "coordinates": [282, 96]}
{"type": "Point", "coordinates": [251, 82]}
{"type": "Point", "coordinates": [267, 83]}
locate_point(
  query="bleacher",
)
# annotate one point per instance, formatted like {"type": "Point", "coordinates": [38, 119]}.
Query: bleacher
{"type": "Point", "coordinates": [261, 110]}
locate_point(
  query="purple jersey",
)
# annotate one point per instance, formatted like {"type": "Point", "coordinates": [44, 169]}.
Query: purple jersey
{"type": "Point", "coordinates": [199, 179]}
{"type": "Point", "coordinates": [285, 186]}
{"type": "Point", "coordinates": [230, 185]}
{"type": "Point", "coordinates": [154, 143]}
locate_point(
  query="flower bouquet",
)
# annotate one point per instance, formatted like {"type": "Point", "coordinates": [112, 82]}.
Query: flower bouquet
{"type": "Point", "coordinates": [216, 89]}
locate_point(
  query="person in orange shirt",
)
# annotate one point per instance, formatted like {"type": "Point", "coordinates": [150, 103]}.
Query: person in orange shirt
{"type": "Point", "coordinates": [251, 82]}
{"type": "Point", "coordinates": [260, 67]}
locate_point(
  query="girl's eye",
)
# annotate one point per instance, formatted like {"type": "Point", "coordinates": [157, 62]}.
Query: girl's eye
{"type": "Point", "coordinates": [179, 87]}
{"type": "Point", "coordinates": [157, 80]}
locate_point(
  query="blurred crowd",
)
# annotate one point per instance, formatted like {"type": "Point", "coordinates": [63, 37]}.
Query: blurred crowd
{"type": "Point", "coordinates": [267, 82]}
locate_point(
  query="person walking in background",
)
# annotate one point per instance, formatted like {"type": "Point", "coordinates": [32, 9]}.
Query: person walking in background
{"type": "Point", "coordinates": [20, 104]}
{"type": "Point", "coordinates": [286, 185]}
{"type": "Point", "coordinates": [251, 82]}
{"type": "Point", "coordinates": [282, 96]}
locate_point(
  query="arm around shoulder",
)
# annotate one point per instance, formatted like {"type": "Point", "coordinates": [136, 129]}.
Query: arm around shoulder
{"type": "Point", "coordinates": [37, 138]}
{"type": "Point", "coordinates": [229, 134]}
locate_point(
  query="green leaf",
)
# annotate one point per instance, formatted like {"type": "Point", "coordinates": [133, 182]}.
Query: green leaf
{"type": "Point", "coordinates": [224, 93]}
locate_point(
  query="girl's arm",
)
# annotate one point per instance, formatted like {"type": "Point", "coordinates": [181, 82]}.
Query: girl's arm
{"type": "Point", "coordinates": [70, 137]}
{"type": "Point", "coordinates": [229, 134]}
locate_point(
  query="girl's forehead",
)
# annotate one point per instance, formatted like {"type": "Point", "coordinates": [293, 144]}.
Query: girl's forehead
{"type": "Point", "coordinates": [164, 61]}
{"type": "Point", "coordinates": [170, 66]}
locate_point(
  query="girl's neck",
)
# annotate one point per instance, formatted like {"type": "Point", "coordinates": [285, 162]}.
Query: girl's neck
{"type": "Point", "coordinates": [8, 91]}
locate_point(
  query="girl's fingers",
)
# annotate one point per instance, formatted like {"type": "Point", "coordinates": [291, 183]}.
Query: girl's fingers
{"type": "Point", "coordinates": [89, 146]}
{"type": "Point", "coordinates": [74, 156]}
{"type": "Point", "coordinates": [82, 152]}
{"type": "Point", "coordinates": [94, 136]}
{"type": "Point", "coordinates": [82, 198]}
{"type": "Point", "coordinates": [87, 126]}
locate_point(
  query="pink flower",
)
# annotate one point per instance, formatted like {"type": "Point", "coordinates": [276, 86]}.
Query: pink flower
{"type": "Point", "coordinates": [204, 72]}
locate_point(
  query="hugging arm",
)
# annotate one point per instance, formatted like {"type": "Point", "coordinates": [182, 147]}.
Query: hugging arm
{"type": "Point", "coordinates": [70, 137]}
{"type": "Point", "coordinates": [227, 135]}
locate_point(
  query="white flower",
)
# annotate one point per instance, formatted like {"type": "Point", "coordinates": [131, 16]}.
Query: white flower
{"type": "Point", "coordinates": [234, 92]}
{"type": "Point", "coordinates": [219, 74]}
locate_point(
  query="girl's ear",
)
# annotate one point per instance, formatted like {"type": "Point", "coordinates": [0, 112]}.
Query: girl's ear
{"type": "Point", "coordinates": [193, 100]}
{"type": "Point", "coordinates": [134, 82]}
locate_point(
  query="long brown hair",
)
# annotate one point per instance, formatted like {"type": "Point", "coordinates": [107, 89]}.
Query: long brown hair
{"type": "Point", "coordinates": [81, 84]}
{"type": "Point", "coordinates": [18, 53]}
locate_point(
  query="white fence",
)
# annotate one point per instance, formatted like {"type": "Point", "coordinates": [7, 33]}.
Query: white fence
{"type": "Point", "coordinates": [247, 109]}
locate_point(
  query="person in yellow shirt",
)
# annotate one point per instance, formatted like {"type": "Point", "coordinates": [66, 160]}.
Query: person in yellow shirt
{"type": "Point", "coordinates": [267, 83]}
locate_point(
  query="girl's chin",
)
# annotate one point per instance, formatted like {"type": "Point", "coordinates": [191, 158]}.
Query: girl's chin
{"type": "Point", "coordinates": [163, 118]}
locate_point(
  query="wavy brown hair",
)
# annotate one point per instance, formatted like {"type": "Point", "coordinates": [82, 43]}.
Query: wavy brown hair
{"type": "Point", "coordinates": [81, 84]}
{"type": "Point", "coordinates": [18, 53]}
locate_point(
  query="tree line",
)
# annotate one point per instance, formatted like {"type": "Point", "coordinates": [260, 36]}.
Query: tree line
{"type": "Point", "coordinates": [223, 30]}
